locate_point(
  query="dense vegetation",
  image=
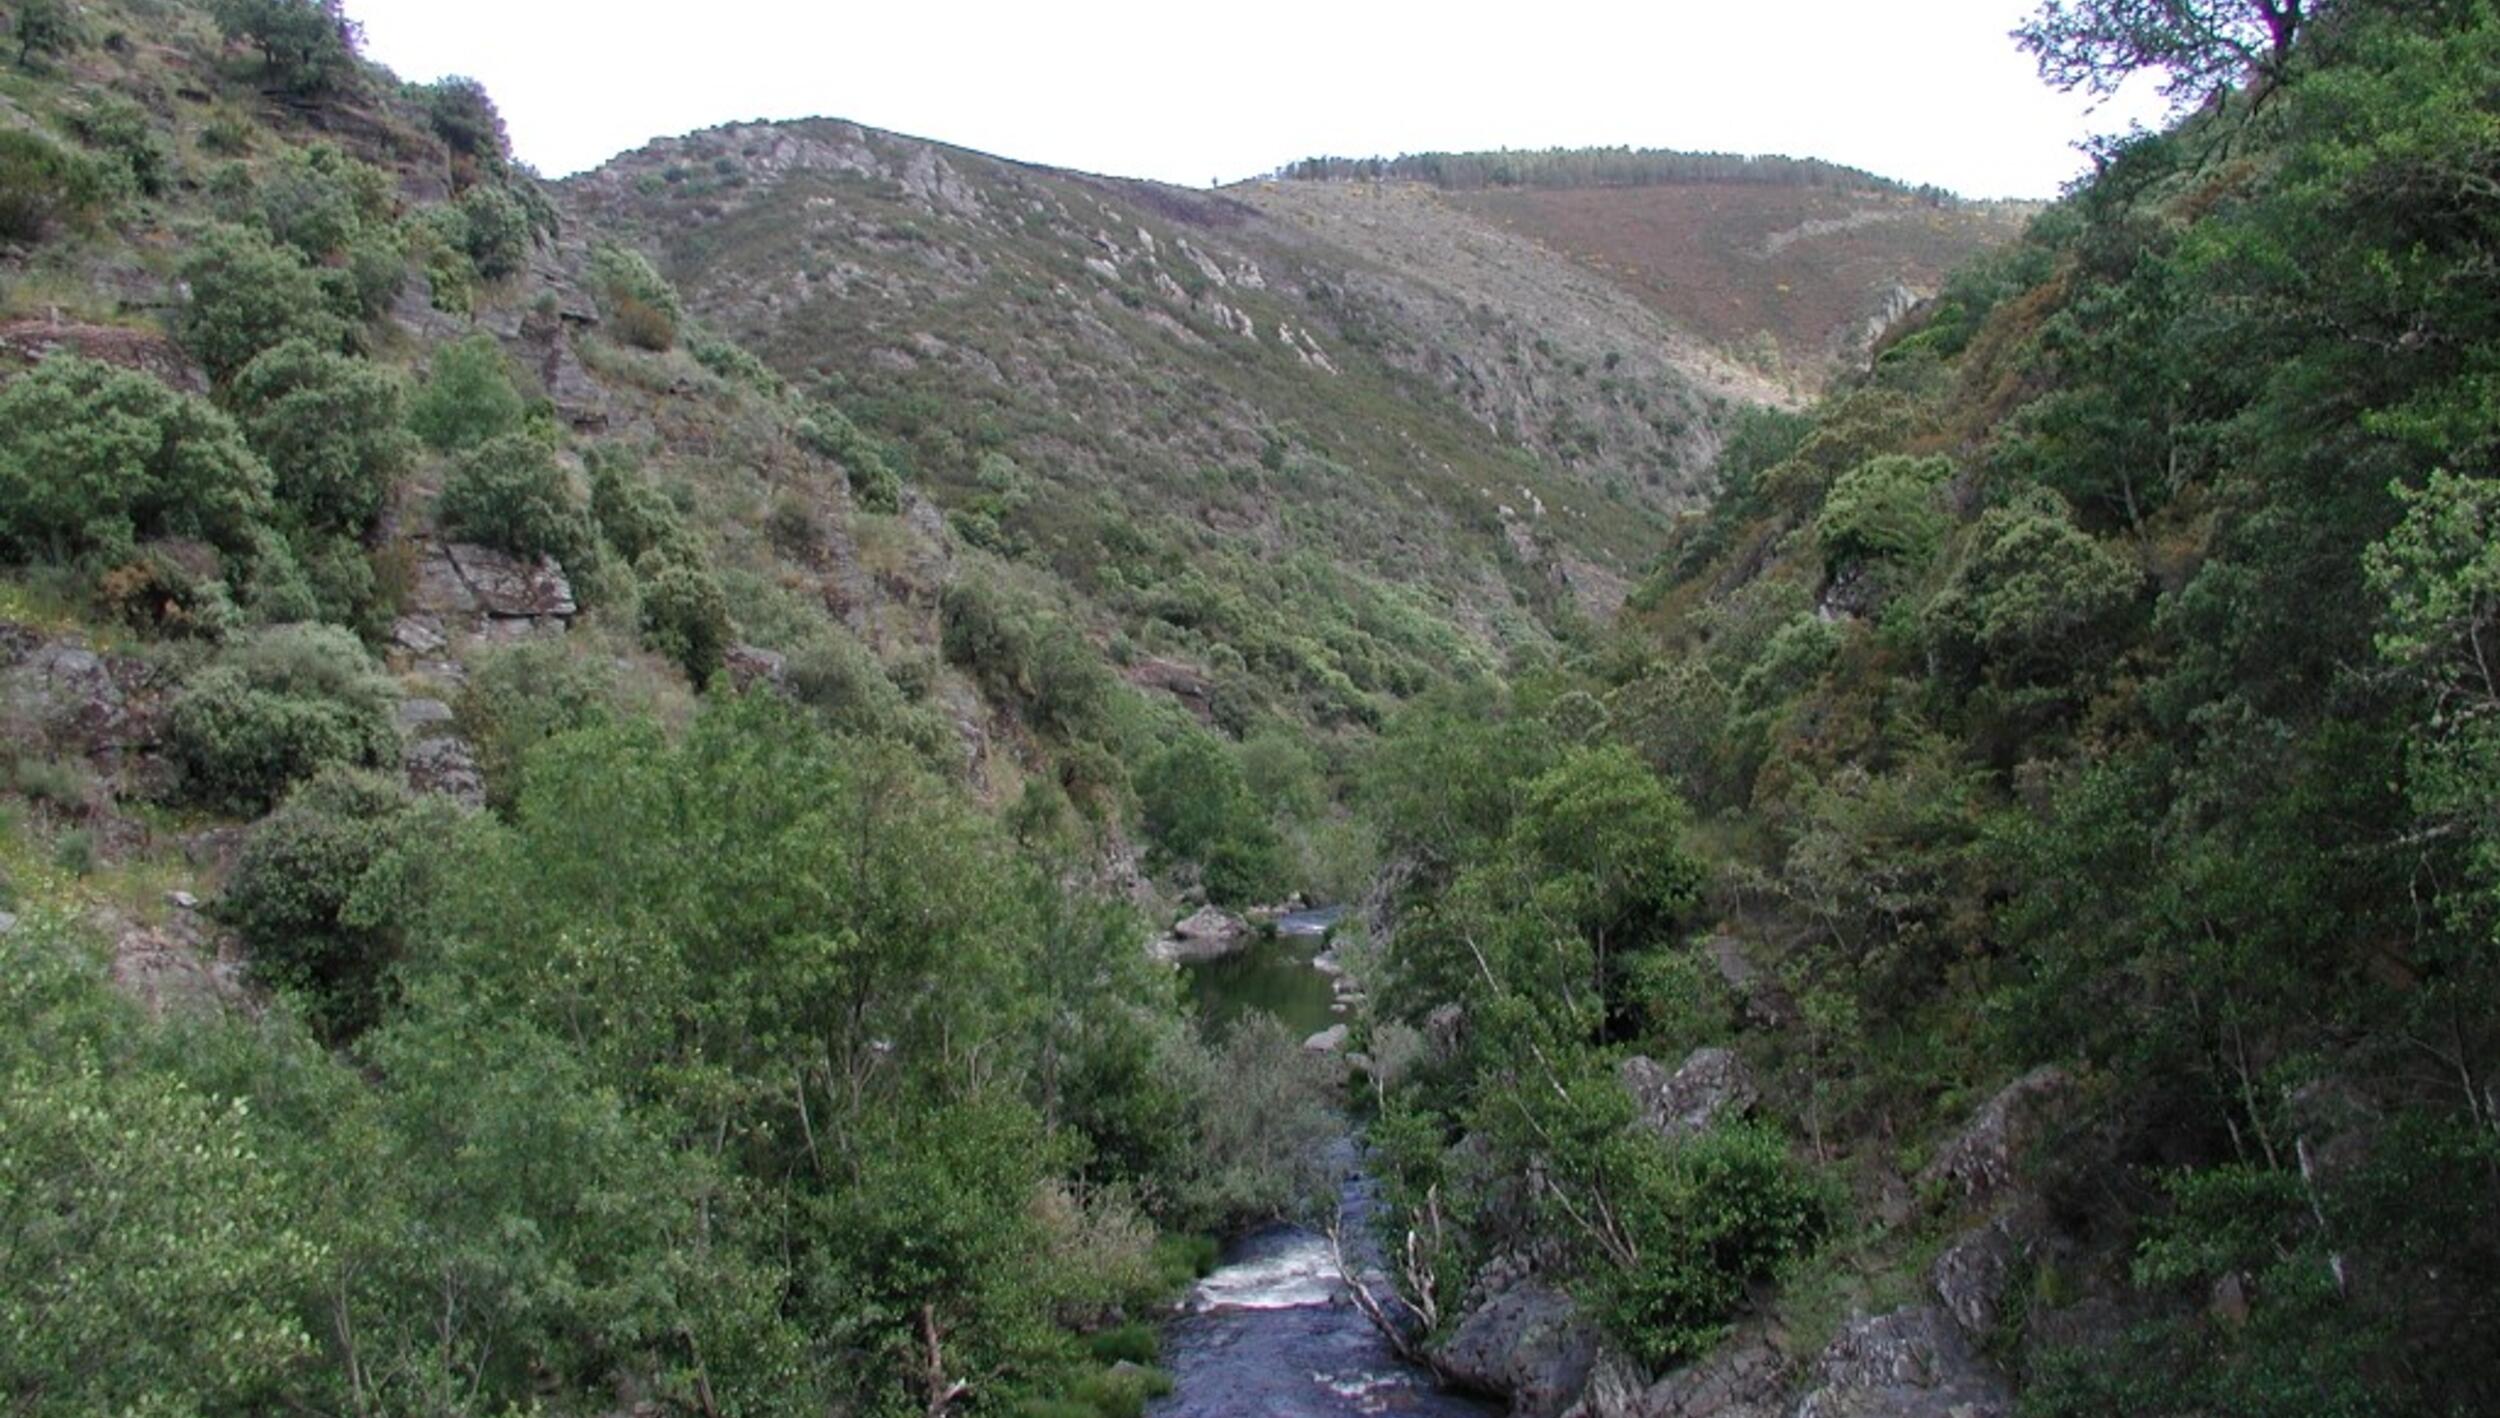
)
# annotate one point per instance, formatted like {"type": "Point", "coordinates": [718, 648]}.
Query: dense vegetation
{"type": "Point", "coordinates": [2095, 687]}
{"type": "Point", "coordinates": [2096, 683]}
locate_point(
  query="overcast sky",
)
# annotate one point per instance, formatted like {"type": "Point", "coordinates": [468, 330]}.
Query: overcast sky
{"type": "Point", "coordinates": [1925, 91]}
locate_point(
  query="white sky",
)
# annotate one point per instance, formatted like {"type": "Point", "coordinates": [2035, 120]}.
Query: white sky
{"type": "Point", "coordinates": [1925, 91]}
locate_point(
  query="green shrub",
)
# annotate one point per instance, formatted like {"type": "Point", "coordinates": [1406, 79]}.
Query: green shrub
{"type": "Point", "coordinates": [1884, 509]}
{"type": "Point", "coordinates": [307, 47]}
{"type": "Point", "coordinates": [685, 616]}
{"type": "Point", "coordinates": [464, 116]}
{"type": "Point", "coordinates": [636, 299]}
{"type": "Point", "coordinates": [509, 493]}
{"type": "Point", "coordinates": [248, 295]}
{"type": "Point", "coordinates": [329, 428]}
{"type": "Point", "coordinates": [518, 697]}
{"type": "Point", "coordinates": [42, 184]}
{"type": "Point", "coordinates": [828, 433]}
{"type": "Point", "coordinates": [1710, 1217]}
{"type": "Point", "coordinates": [94, 458]}
{"type": "Point", "coordinates": [278, 708]}
{"type": "Point", "coordinates": [318, 200]}
{"type": "Point", "coordinates": [1199, 808]}
{"type": "Point", "coordinates": [46, 27]}
{"type": "Point", "coordinates": [495, 231]}
{"type": "Point", "coordinates": [127, 137]}
{"type": "Point", "coordinates": [468, 397]}
{"type": "Point", "coordinates": [317, 900]}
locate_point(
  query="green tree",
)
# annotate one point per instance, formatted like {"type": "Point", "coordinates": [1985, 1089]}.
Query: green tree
{"type": "Point", "coordinates": [468, 397]}
{"type": "Point", "coordinates": [307, 47]}
{"type": "Point", "coordinates": [329, 427]}
{"type": "Point", "coordinates": [41, 184]}
{"type": "Point", "coordinates": [94, 458]}
{"type": "Point", "coordinates": [2198, 46]}
{"type": "Point", "coordinates": [276, 709]}
{"type": "Point", "coordinates": [510, 493]}
{"type": "Point", "coordinates": [47, 27]}
{"type": "Point", "coordinates": [685, 616]}
{"type": "Point", "coordinates": [249, 295]}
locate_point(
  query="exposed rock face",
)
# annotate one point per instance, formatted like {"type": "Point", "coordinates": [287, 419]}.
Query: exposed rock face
{"type": "Point", "coordinates": [1530, 1345]}
{"type": "Point", "coordinates": [447, 766]}
{"type": "Point", "coordinates": [1744, 1379]}
{"type": "Point", "coordinates": [461, 583]}
{"type": "Point", "coordinates": [1766, 1004]}
{"type": "Point", "coordinates": [1982, 1160]}
{"type": "Point", "coordinates": [107, 708]}
{"type": "Point", "coordinates": [144, 351]}
{"type": "Point", "coordinates": [1709, 1083]}
{"type": "Point", "coordinates": [1210, 934]}
{"type": "Point", "coordinates": [750, 666]}
{"type": "Point", "coordinates": [1912, 1363]}
{"type": "Point", "coordinates": [1974, 1275]}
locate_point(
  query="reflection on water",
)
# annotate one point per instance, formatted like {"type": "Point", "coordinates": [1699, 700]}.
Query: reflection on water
{"type": "Point", "coordinates": [1274, 976]}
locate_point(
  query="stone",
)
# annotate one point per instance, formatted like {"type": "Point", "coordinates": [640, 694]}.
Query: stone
{"type": "Point", "coordinates": [1210, 933]}
{"type": "Point", "coordinates": [1744, 1378]}
{"type": "Point", "coordinates": [1615, 1389]}
{"type": "Point", "coordinates": [750, 665]}
{"type": "Point", "coordinates": [182, 900]}
{"type": "Point", "coordinates": [1328, 1041]}
{"type": "Point", "coordinates": [446, 765]}
{"type": "Point", "coordinates": [511, 587]}
{"type": "Point", "coordinates": [1530, 1345]}
{"type": "Point", "coordinates": [1708, 1084]}
{"type": "Point", "coordinates": [1766, 1005]}
{"type": "Point", "coordinates": [418, 715]}
{"type": "Point", "coordinates": [1982, 1159]}
{"type": "Point", "coordinates": [8, 922]}
{"type": "Point", "coordinates": [1911, 1363]}
{"type": "Point", "coordinates": [1973, 1276]}
{"type": "Point", "coordinates": [419, 635]}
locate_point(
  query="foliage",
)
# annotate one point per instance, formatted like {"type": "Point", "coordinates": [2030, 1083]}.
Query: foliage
{"type": "Point", "coordinates": [496, 231]}
{"type": "Point", "coordinates": [1887, 509]}
{"type": "Point", "coordinates": [464, 116]}
{"type": "Point", "coordinates": [468, 397]}
{"type": "Point", "coordinates": [307, 47]}
{"type": "Point", "coordinates": [1198, 808]}
{"type": "Point", "coordinates": [828, 434]}
{"type": "Point", "coordinates": [522, 695]}
{"type": "Point", "coordinates": [96, 459]}
{"type": "Point", "coordinates": [509, 493]}
{"type": "Point", "coordinates": [329, 428]}
{"type": "Point", "coordinates": [320, 892]}
{"type": "Point", "coordinates": [41, 185]}
{"type": "Point", "coordinates": [276, 709]}
{"type": "Point", "coordinates": [685, 616]}
{"type": "Point", "coordinates": [2198, 46]}
{"type": "Point", "coordinates": [247, 296]}
{"type": "Point", "coordinates": [46, 27]}
{"type": "Point", "coordinates": [635, 298]}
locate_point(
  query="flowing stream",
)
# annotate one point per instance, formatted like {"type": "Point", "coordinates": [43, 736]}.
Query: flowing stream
{"type": "Point", "coordinates": [1271, 1333]}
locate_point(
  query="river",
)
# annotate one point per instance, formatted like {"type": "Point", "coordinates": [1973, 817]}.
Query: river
{"type": "Point", "coordinates": [1271, 1334]}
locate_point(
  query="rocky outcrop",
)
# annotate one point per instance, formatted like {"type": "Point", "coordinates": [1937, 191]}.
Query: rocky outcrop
{"type": "Point", "coordinates": [1331, 1040]}
{"type": "Point", "coordinates": [142, 350]}
{"type": "Point", "coordinates": [1210, 934]}
{"type": "Point", "coordinates": [109, 709]}
{"type": "Point", "coordinates": [1974, 1276]}
{"type": "Point", "coordinates": [1982, 1159]}
{"type": "Point", "coordinates": [1912, 1363]}
{"type": "Point", "coordinates": [1764, 1002]}
{"type": "Point", "coordinates": [462, 583]}
{"type": "Point", "coordinates": [1709, 1083]}
{"type": "Point", "coordinates": [1530, 1345]}
{"type": "Point", "coordinates": [1746, 1378]}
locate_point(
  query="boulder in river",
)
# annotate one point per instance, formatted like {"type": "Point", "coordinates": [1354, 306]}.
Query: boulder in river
{"type": "Point", "coordinates": [1528, 1344]}
{"type": "Point", "coordinates": [1210, 934]}
{"type": "Point", "coordinates": [1330, 1040]}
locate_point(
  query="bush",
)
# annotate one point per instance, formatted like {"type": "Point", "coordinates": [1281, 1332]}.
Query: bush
{"type": "Point", "coordinates": [468, 397]}
{"type": "Point", "coordinates": [316, 900]}
{"type": "Point", "coordinates": [1710, 1217]}
{"type": "Point", "coordinates": [319, 200]}
{"type": "Point", "coordinates": [639, 302]}
{"type": "Point", "coordinates": [307, 47]}
{"type": "Point", "coordinates": [509, 493]}
{"type": "Point", "coordinates": [277, 709]}
{"type": "Point", "coordinates": [249, 295]}
{"type": "Point", "coordinates": [521, 696]}
{"type": "Point", "coordinates": [464, 116]}
{"type": "Point", "coordinates": [94, 458]}
{"type": "Point", "coordinates": [685, 616]}
{"type": "Point", "coordinates": [1199, 808]}
{"type": "Point", "coordinates": [829, 433]}
{"type": "Point", "coordinates": [635, 516]}
{"type": "Point", "coordinates": [47, 27]}
{"type": "Point", "coordinates": [123, 131]}
{"type": "Point", "coordinates": [42, 183]}
{"type": "Point", "coordinates": [495, 231]}
{"type": "Point", "coordinates": [329, 427]}
{"type": "Point", "coordinates": [1884, 509]}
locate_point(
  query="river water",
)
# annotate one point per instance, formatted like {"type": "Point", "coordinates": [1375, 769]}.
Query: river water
{"type": "Point", "coordinates": [1271, 1334]}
